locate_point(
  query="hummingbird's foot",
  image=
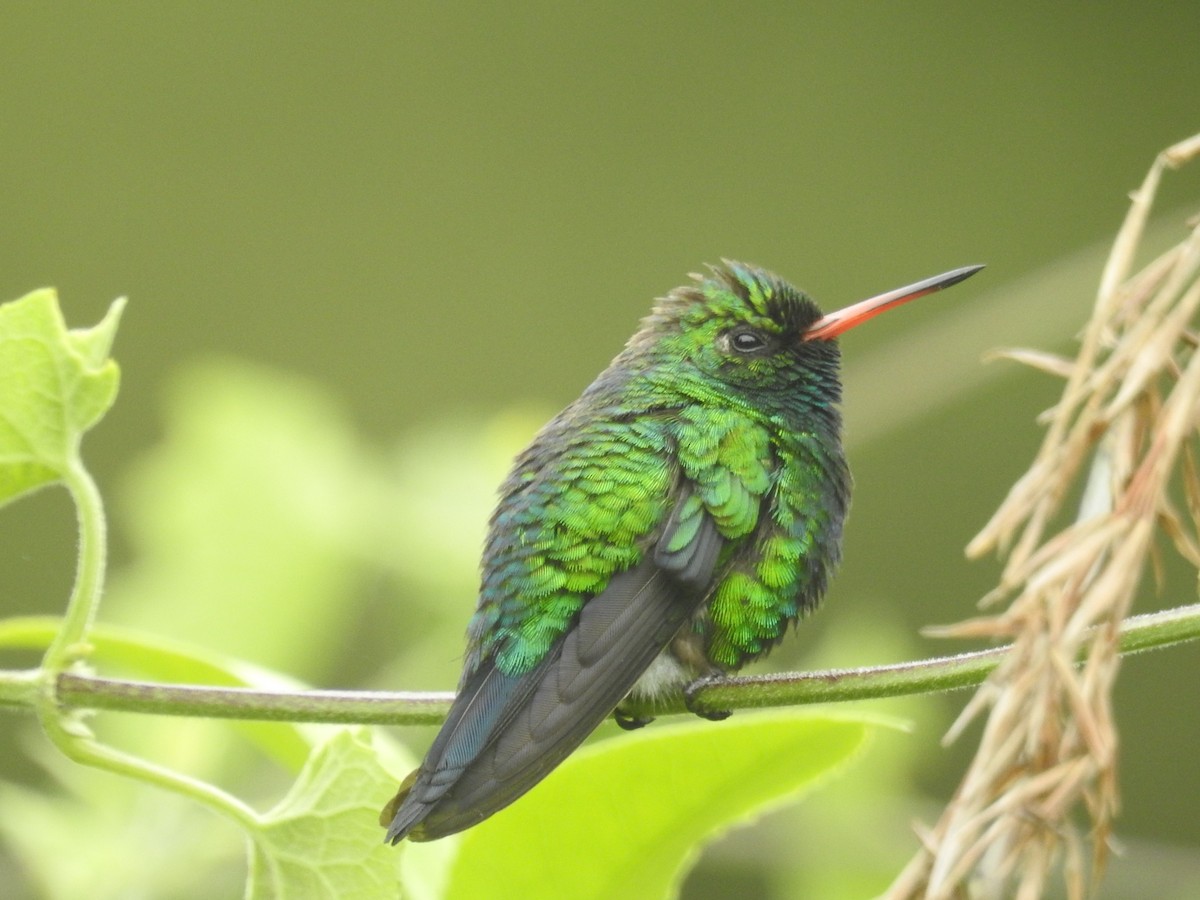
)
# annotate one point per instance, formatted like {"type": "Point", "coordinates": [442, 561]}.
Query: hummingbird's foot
{"type": "Point", "coordinates": [630, 723]}
{"type": "Point", "coordinates": [691, 701]}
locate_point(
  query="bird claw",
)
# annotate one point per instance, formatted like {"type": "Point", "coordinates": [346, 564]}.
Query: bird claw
{"type": "Point", "coordinates": [631, 723]}
{"type": "Point", "coordinates": [690, 701]}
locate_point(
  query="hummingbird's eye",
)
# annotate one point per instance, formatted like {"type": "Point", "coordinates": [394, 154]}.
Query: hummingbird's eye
{"type": "Point", "coordinates": [747, 341]}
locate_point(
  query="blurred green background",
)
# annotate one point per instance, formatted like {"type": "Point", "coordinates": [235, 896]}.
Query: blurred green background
{"type": "Point", "coordinates": [369, 247]}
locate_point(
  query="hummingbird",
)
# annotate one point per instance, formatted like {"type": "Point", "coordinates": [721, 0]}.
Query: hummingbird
{"type": "Point", "coordinates": [666, 527]}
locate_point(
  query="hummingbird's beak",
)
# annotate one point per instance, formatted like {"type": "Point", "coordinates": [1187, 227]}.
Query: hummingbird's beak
{"type": "Point", "coordinates": [830, 326]}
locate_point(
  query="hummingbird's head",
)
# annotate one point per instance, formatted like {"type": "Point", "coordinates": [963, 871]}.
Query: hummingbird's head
{"type": "Point", "coordinates": [742, 326]}
{"type": "Point", "coordinates": [747, 328]}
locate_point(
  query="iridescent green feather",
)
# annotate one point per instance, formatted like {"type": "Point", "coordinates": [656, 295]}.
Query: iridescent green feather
{"type": "Point", "coordinates": [581, 518]}
{"type": "Point", "coordinates": [755, 440]}
{"type": "Point", "coordinates": [690, 502]}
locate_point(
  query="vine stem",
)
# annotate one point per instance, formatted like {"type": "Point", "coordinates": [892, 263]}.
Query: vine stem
{"type": "Point", "coordinates": [64, 726]}
{"type": "Point", "coordinates": [1138, 633]}
{"type": "Point", "coordinates": [61, 696]}
{"type": "Point", "coordinates": [69, 642]}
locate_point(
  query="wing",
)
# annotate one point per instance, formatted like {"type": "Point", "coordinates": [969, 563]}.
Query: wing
{"type": "Point", "coordinates": [505, 733]}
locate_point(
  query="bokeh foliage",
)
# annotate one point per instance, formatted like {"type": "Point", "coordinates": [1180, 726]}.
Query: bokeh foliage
{"type": "Point", "coordinates": [450, 218]}
{"type": "Point", "coordinates": [637, 811]}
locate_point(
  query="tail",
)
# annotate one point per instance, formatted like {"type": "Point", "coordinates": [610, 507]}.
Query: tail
{"type": "Point", "coordinates": [505, 733]}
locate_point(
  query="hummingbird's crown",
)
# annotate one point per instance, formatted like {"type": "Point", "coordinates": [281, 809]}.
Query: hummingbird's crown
{"type": "Point", "coordinates": [737, 290]}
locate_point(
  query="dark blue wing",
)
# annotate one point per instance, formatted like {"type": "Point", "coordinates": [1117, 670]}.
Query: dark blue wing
{"type": "Point", "coordinates": [505, 733]}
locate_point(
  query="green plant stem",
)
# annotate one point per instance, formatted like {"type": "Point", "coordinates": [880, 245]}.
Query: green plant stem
{"type": "Point", "coordinates": [79, 745]}
{"type": "Point", "coordinates": [948, 673]}
{"type": "Point", "coordinates": [329, 707]}
{"type": "Point", "coordinates": [68, 644]}
{"type": "Point", "coordinates": [64, 726]}
{"type": "Point", "coordinates": [20, 689]}
{"type": "Point", "coordinates": [1139, 633]}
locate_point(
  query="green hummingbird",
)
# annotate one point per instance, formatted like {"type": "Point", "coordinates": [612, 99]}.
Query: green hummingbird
{"type": "Point", "coordinates": [667, 526]}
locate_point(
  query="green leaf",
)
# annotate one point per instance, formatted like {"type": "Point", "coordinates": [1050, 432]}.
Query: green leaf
{"type": "Point", "coordinates": [54, 385]}
{"type": "Point", "coordinates": [324, 839]}
{"type": "Point", "coordinates": [627, 817]}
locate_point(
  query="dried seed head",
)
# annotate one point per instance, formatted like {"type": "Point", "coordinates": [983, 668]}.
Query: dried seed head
{"type": "Point", "coordinates": [1124, 422]}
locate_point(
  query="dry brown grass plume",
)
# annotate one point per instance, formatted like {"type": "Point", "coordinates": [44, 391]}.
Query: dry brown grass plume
{"type": "Point", "coordinates": [1124, 427]}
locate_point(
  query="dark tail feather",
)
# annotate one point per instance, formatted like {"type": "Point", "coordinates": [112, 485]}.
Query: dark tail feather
{"type": "Point", "coordinates": [476, 712]}
{"type": "Point", "coordinates": [504, 734]}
